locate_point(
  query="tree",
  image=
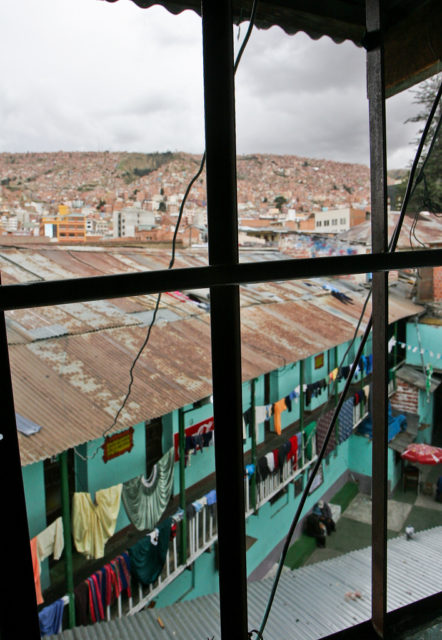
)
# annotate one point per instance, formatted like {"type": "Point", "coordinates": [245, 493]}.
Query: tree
{"type": "Point", "coordinates": [279, 201]}
{"type": "Point", "coordinates": [428, 192]}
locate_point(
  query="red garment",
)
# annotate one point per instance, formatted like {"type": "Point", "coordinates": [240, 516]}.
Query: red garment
{"type": "Point", "coordinates": [108, 577]}
{"type": "Point", "coordinates": [276, 458]}
{"type": "Point", "coordinates": [116, 578]}
{"type": "Point", "coordinates": [294, 451]}
{"type": "Point", "coordinates": [91, 601]}
{"type": "Point", "coordinates": [36, 570]}
{"type": "Point", "coordinates": [98, 595]}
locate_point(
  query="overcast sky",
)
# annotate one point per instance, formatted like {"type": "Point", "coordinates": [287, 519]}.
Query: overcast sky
{"type": "Point", "coordinates": [89, 75]}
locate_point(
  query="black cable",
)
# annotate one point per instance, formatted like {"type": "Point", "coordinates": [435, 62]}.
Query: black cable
{"type": "Point", "coordinates": [391, 249]}
{"type": "Point", "coordinates": [177, 225]}
{"type": "Point", "coordinates": [411, 185]}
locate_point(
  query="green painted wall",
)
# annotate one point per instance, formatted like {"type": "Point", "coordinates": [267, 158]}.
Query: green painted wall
{"type": "Point", "coordinates": [430, 341]}
{"type": "Point", "coordinates": [34, 486]}
{"type": "Point", "coordinates": [101, 475]}
{"type": "Point", "coordinates": [272, 522]}
{"type": "Point", "coordinates": [199, 580]}
{"type": "Point", "coordinates": [426, 413]}
{"type": "Point", "coordinates": [360, 459]}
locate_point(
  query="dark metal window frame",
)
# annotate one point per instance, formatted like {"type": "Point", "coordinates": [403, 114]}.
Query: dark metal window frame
{"type": "Point", "coordinates": [223, 276]}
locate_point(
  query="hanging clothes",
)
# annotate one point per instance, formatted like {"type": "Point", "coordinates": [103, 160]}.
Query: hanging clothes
{"type": "Point", "coordinates": [51, 618]}
{"type": "Point", "coordinates": [260, 414]}
{"type": "Point", "coordinates": [51, 541]}
{"type": "Point", "coordinates": [36, 570]}
{"type": "Point", "coordinates": [263, 468]}
{"type": "Point", "coordinates": [321, 432]}
{"type": "Point", "coordinates": [147, 559]}
{"type": "Point", "coordinates": [95, 602]}
{"type": "Point", "coordinates": [345, 420]}
{"type": "Point", "coordinates": [270, 461]}
{"type": "Point", "coordinates": [81, 599]}
{"type": "Point", "coordinates": [278, 408]}
{"type": "Point", "coordinates": [93, 525]}
{"type": "Point", "coordinates": [146, 500]}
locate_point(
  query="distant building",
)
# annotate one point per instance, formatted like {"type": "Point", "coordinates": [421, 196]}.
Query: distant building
{"type": "Point", "coordinates": [65, 226]}
{"type": "Point", "coordinates": [127, 220]}
{"type": "Point", "coordinates": [338, 220]}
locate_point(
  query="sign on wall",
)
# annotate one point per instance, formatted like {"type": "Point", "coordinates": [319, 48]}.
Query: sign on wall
{"type": "Point", "coordinates": [117, 444]}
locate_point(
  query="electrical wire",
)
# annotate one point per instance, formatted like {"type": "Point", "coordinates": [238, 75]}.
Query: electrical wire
{"type": "Point", "coordinates": [172, 259]}
{"type": "Point", "coordinates": [391, 248]}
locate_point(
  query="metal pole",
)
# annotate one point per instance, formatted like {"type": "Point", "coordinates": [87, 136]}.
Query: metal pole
{"type": "Point", "coordinates": [253, 434]}
{"type": "Point", "coordinates": [219, 103]}
{"type": "Point", "coordinates": [182, 462]}
{"type": "Point", "coordinates": [16, 558]}
{"type": "Point", "coordinates": [379, 230]}
{"type": "Point", "coordinates": [301, 395]}
{"type": "Point", "coordinates": [66, 516]}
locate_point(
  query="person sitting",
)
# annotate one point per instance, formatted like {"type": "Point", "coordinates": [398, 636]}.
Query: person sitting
{"type": "Point", "coordinates": [316, 529]}
{"type": "Point", "coordinates": [323, 511]}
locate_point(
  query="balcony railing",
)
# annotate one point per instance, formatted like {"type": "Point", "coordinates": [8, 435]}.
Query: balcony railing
{"type": "Point", "coordinates": [202, 530]}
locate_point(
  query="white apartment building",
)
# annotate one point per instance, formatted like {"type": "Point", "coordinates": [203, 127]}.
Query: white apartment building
{"type": "Point", "coordinates": [332, 220]}
{"type": "Point", "coordinates": [126, 220]}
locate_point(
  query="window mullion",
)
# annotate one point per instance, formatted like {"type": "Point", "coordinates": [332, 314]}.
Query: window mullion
{"type": "Point", "coordinates": [219, 103]}
{"type": "Point", "coordinates": [379, 231]}
{"type": "Point", "coordinates": [16, 559]}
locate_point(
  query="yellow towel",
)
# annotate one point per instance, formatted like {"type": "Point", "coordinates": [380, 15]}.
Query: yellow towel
{"type": "Point", "coordinates": [93, 525]}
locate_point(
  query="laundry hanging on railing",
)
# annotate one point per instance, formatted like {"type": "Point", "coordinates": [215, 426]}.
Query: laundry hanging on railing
{"type": "Point", "coordinates": [196, 437]}
{"type": "Point", "coordinates": [346, 420]}
{"type": "Point", "coordinates": [36, 571]}
{"type": "Point", "coordinates": [50, 541]}
{"type": "Point", "coordinates": [93, 525]}
{"type": "Point", "coordinates": [148, 555]}
{"type": "Point", "coordinates": [146, 499]}
{"type": "Point", "coordinates": [278, 408]}
{"type": "Point", "coordinates": [51, 618]}
{"type": "Point", "coordinates": [101, 589]}
{"type": "Point", "coordinates": [322, 426]}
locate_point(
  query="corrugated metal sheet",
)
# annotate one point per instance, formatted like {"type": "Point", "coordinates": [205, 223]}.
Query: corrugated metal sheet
{"type": "Point", "coordinates": [310, 602]}
{"type": "Point", "coordinates": [70, 363]}
{"type": "Point", "coordinates": [417, 378]}
{"type": "Point", "coordinates": [428, 230]}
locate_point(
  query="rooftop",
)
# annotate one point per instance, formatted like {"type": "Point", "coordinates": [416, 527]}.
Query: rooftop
{"type": "Point", "coordinates": [68, 352]}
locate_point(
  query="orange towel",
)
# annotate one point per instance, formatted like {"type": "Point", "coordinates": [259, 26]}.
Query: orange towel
{"type": "Point", "coordinates": [36, 569]}
{"type": "Point", "coordinates": [278, 408]}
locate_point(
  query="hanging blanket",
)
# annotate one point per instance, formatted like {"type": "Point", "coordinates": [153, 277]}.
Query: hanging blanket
{"type": "Point", "coordinates": [93, 525]}
{"type": "Point", "coordinates": [146, 500]}
{"type": "Point", "coordinates": [148, 555]}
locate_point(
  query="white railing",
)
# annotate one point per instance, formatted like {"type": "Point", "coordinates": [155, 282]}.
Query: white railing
{"type": "Point", "coordinates": [202, 532]}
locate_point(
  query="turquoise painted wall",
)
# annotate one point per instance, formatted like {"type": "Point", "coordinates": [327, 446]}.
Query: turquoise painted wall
{"type": "Point", "coordinates": [426, 412]}
{"type": "Point", "coordinates": [199, 580]}
{"type": "Point", "coordinates": [430, 341]}
{"type": "Point", "coordinates": [288, 379]}
{"type": "Point", "coordinates": [101, 475]}
{"type": "Point", "coordinates": [34, 486]}
{"type": "Point", "coordinates": [360, 459]}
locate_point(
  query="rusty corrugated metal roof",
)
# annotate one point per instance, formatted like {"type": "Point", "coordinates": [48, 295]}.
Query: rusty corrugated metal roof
{"type": "Point", "coordinates": [428, 231]}
{"type": "Point", "coordinates": [70, 363]}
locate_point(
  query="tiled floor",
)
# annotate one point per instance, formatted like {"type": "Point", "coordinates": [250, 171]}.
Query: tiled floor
{"type": "Point", "coordinates": [353, 531]}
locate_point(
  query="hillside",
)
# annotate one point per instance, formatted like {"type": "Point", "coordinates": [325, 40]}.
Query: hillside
{"type": "Point", "coordinates": [98, 177]}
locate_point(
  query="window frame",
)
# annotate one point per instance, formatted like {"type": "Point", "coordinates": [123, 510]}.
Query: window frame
{"type": "Point", "coordinates": [224, 275]}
